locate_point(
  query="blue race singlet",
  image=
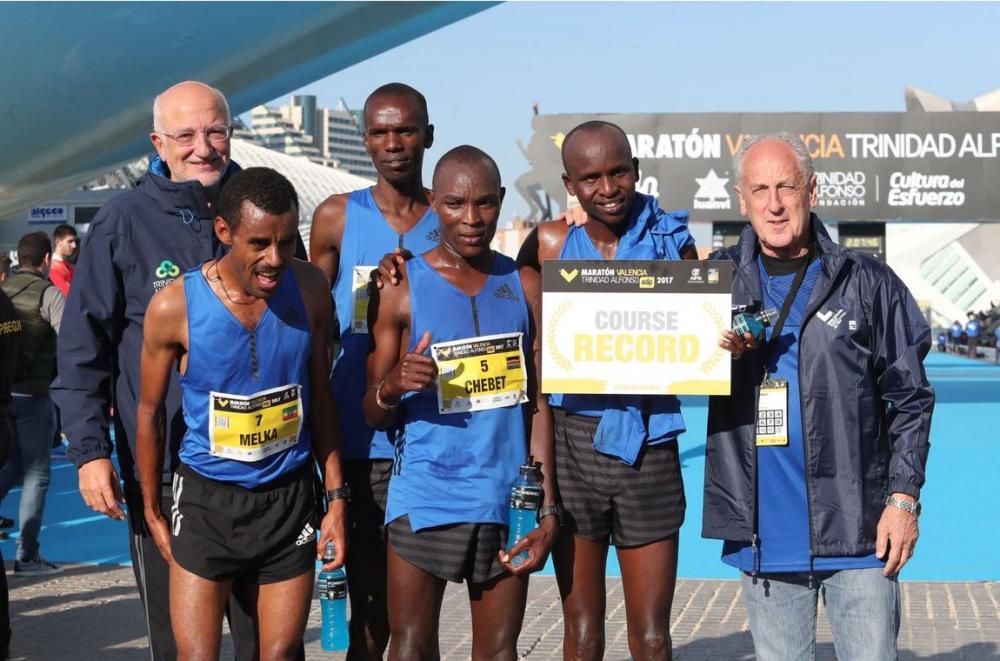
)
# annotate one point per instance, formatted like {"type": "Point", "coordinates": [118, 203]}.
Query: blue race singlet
{"type": "Point", "coordinates": [458, 467]}
{"type": "Point", "coordinates": [246, 393]}
{"type": "Point", "coordinates": [367, 238]}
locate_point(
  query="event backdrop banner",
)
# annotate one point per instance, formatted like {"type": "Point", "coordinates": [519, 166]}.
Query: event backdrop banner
{"type": "Point", "coordinates": [870, 166]}
{"type": "Point", "coordinates": [635, 327]}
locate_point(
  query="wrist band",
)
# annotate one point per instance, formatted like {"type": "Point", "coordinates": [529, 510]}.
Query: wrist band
{"type": "Point", "coordinates": [380, 402]}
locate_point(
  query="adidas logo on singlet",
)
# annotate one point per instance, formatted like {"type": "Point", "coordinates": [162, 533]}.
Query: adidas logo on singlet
{"type": "Point", "coordinates": [307, 535]}
{"type": "Point", "coordinates": [505, 291]}
{"type": "Point", "coordinates": [433, 235]}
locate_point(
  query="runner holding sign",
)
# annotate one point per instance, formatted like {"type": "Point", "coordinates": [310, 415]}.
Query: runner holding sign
{"type": "Point", "coordinates": [452, 365]}
{"type": "Point", "coordinates": [616, 456]}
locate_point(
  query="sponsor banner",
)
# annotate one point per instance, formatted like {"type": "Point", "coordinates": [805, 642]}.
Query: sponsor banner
{"type": "Point", "coordinates": [869, 166]}
{"type": "Point", "coordinates": [635, 327]}
{"type": "Point", "coordinates": [48, 214]}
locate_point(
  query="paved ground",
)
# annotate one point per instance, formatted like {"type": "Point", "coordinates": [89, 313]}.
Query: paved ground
{"type": "Point", "coordinates": [92, 613]}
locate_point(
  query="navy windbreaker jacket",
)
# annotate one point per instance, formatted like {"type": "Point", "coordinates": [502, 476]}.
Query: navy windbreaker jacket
{"type": "Point", "coordinates": [866, 402]}
{"type": "Point", "coordinates": [138, 243]}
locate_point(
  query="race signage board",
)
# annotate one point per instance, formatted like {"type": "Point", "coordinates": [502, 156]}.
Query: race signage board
{"type": "Point", "coordinates": [635, 327]}
{"type": "Point", "coordinates": [869, 166]}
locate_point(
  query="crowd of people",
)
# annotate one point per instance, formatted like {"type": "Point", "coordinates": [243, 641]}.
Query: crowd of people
{"type": "Point", "coordinates": [201, 335]}
{"type": "Point", "coordinates": [981, 331]}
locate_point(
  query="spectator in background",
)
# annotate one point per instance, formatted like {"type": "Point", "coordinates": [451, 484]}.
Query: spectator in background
{"type": "Point", "coordinates": [10, 335]}
{"type": "Point", "coordinates": [942, 342]}
{"type": "Point", "coordinates": [996, 352]}
{"type": "Point", "coordinates": [972, 329]}
{"type": "Point", "coordinates": [5, 263]}
{"type": "Point", "coordinates": [65, 248]}
{"type": "Point", "coordinates": [955, 335]}
{"type": "Point", "coordinates": [39, 307]}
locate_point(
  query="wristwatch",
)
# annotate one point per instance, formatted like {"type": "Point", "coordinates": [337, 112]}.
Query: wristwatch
{"type": "Point", "coordinates": [913, 507]}
{"type": "Point", "coordinates": [340, 492]}
{"type": "Point", "coordinates": [551, 510]}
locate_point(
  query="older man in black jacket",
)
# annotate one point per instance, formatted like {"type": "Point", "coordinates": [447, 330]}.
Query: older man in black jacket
{"type": "Point", "coordinates": [814, 464]}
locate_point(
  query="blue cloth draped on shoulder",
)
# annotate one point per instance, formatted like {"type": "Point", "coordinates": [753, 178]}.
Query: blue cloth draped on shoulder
{"type": "Point", "coordinates": [628, 422]}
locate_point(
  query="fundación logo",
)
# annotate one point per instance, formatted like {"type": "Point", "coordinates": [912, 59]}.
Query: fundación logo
{"type": "Point", "coordinates": [165, 274]}
{"type": "Point", "coordinates": [712, 193]}
{"type": "Point", "coordinates": [841, 188]}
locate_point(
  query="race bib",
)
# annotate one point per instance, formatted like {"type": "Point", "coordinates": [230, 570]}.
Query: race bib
{"type": "Point", "coordinates": [359, 291]}
{"type": "Point", "coordinates": [772, 413]}
{"type": "Point", "coordinates": [253, 427]}
{"type": "Point", "coordinates": [480, 373]}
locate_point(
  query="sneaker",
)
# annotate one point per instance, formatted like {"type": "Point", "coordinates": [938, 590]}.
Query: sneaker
{"type": "Point", "coordinates": [37, 566]}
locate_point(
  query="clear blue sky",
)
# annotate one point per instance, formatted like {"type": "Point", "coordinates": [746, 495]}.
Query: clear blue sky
{"type": "Point", "coordinates": [482, 74]}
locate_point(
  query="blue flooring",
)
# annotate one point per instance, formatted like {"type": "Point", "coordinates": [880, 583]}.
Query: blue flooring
{"type": "Point", "coordinates": [959, 530]}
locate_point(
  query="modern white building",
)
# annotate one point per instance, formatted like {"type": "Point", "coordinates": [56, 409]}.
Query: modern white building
{"type": "Point", "coordinates": [333, 137]}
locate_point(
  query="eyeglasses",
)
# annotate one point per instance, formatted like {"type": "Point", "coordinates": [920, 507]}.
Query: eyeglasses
{"type": "Point", "coordinates": [217, 135]}
{"type": "Point", "coordinates": [785, 192]}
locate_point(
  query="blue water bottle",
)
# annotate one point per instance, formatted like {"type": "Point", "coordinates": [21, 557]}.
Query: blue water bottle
{"type": "Point", "coordinates": [746, 321]}
{"type": "Point", "coordinates": [332, 586]}
{"type": "Point", "coordinates": [525, 499]}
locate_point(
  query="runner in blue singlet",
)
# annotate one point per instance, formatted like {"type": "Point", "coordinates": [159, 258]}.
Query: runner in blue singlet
{"type": "Point", "coordinates": [462, 411]}
{"type": "Point", "coordinates": [247, 333]}
{"type": "Point", "coordinates": [620, 483]}
{"type": "Point", "coordinates": [350, 233]}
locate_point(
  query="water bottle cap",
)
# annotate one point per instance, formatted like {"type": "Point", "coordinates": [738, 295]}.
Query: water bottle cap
{"type": "Point", "coordinates": [329, 553]}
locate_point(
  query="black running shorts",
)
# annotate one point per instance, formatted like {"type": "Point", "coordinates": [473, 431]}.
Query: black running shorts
{"type": "Point", "coordinates": [464, 551]}
{"type": "Point", "coordinates": [603, 497]}
{"type": "Point", "coordinates": [263, 535]}
{"type": "Point", "coordinates": [369, 482]}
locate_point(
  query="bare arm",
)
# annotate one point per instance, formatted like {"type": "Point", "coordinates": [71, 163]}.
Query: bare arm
{"type": "Point", "coordinates": [544, 242]}
{"type": "Point", "coordinates": [539, 542]}
{"type": "Point", "coordinates": [323, 424]}
{"type": "Point", "coordinates": [164, 339]}
{"type": "Point", "coordinates": [391, 376]}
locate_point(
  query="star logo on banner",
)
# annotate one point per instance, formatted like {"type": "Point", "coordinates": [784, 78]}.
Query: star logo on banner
{"type": "Point", "coordinates": [712, 187]}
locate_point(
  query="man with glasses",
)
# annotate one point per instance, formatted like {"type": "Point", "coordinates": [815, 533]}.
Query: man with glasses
{"type": "Point", "coordinates": [139, 243]}
{"type": "Point", "coordinates": [815, 462]}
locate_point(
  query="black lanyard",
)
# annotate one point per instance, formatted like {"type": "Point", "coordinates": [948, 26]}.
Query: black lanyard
{"type": "Point", "coordinates": [786, 307]}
